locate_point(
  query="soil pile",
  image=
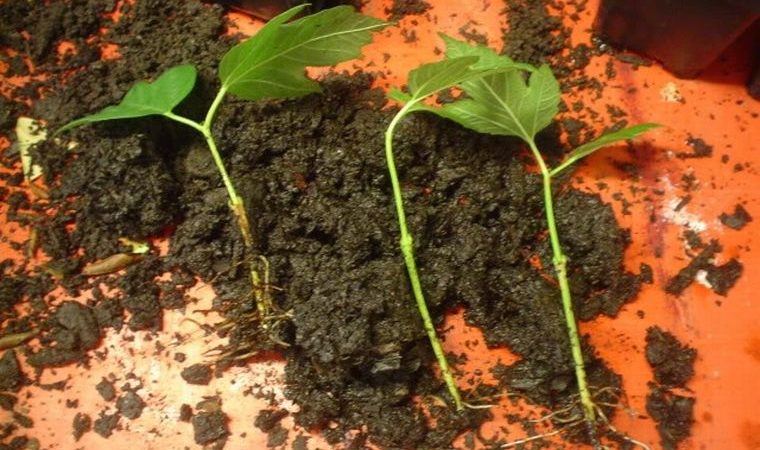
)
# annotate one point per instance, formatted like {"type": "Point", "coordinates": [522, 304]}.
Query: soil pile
{"type": "Point", "coordinates": [312, 173]}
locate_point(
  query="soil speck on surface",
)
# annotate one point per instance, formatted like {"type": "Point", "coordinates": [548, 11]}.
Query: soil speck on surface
{"type": "Point", "coordinates": [130, 405]}
{"type": "Point", "coordinates": [185, 412]}
{"type": "Point", "coordinates": [209, 427]}
{"type": "Point", "coordinates": [673, 413]}
{"type": "Point", "coordinates": [72, 331]}
{"type": "Point", "coordinates": [301, 442]}
{"type": "Point", "coordinates": [672, 362]}
{"type": "Point", "coordinates": [106, 390]}
{"type": "Point", "coordinates": [269, 421]}
{"type": "Point", "coordinates": [700, 149]}
{"type": "Point", "coordinates": [105, 424]}
{"type": "Point", "coordinates": [197, 374]}
{"type": "Point", "coordinates": [267, 418]}
{"type": "Point", "coordinates": [11, 377]}
{"type": "Point", "coordinates": [403, 8]}
{"type": "Point", "coordinates": [736, 220]}
{"type": "Point", "coordinates": [721, 278]}
{"type": "Point", "coordinates": [81, 425]}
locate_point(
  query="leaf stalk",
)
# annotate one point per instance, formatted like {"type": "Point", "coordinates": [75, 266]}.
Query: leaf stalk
{"type": "Point", "coordinates": [559, 261]}
{"type": "Point", "coordinates": [236, 203]}
{"type": "Point", "coordinates": [407, 248]}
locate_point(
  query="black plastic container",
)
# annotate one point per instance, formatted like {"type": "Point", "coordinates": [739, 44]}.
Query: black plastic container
{"type": "Point", "coordinates": [684, 35]}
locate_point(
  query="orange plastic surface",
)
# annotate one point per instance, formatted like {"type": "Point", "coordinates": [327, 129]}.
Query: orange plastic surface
{"type": "Point", "coordinates": [725, 330]}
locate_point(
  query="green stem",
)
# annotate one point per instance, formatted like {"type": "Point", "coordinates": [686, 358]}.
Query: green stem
{"type": "Point", "coordinates": [407, 248]}
{"type": "Point", "coordinates": [236, 202]}
{"type": "Point", "coordinates": [560, 266]}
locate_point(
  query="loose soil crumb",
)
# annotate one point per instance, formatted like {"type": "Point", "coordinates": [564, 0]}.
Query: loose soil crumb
{"type": "Point", "coordinates": [185, 412]}
{"type": "Point", "coordinates": [738, 219]}
{"type": "Point", "coordinates": [82, 424]}
{"type": "Point", "coordinates": [720, 278]}
{"type": "Point", "coordinates": [686, 276]}
{"type": "Point", "coordinates": [301, 442]}
{"type": "Point", "coordinates": [267, 419]}
{"type": "Point", "coordinates": [403, 8]}
{"type": "Point", "coordinates": [130, 405]}
{"type": "Point", "coordinates": [723, 277]}
{"type": "Point", "coordinates": [106, 423]}
{"type": "Point", "coordinates": [72, 331]}
{"type": "Point", "coordinates": [673, 413]}
{"type": "Point", "coordinates": [197, 374]}
{"type": "Point", "coordinates": [11, 377]}
{"type": "Point", "coordinates": [210, 427]}
{"type": "Point", "coordinates": [700, 149]}
{"type": "Point", "coordinates": [673, 362]}
{"type": "Point", "coordinates": [277, 436]}
{"type": "Point", "coordinates": [106, 390]}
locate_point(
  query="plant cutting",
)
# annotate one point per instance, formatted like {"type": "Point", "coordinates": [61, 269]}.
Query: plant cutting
{"type": "Point", "coordinates": [269, 65]}
{"type": "Point", "coordinates": [422, 83]}
{"type": "Point", "coordinates": [506, 103]}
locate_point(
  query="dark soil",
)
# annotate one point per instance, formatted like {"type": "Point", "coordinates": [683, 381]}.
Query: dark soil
{"type": "Point", "coordinates": [721, 278]}
{"type": "Point", "coordinates": [672, 362]}
{"type": "Point", "coordinates": [673, 413]}
{"type": "Point", "coordinates": [313, 176]}
{"type": "Point", "coordinates": [185, 412]}
{"type": "Point", "coordinates": [736, 220]}
{"type": "Point", "coordinates": [106, 390]}
{"type": "Point", "coordinates": [11, 377]}
{"type": "Point", "coordinates": [673, 365]}
{"type": "Point", "coordinates": [403, 8]}
{"type": "Point", "coordinates": [209, 427]}
{"type": "Point", "coordinates": [197, 374]}
{"type": "Point", "coordinates": [700, 149]}
{"type": "Point", "coordinates": [268, 419]}
{"type": "Point", "coordinates": [130, 405]}
{"type": "Point", "coordinates": [82, 424]}
{"type": "Point", "coordinates": [105, 424]}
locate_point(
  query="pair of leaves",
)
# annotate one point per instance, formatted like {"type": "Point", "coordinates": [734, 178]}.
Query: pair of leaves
{"type": "Point", "coordinates": [463, 69]}
{"type": "Point", "coordinates": [501, 100]}
{"type": "Point", "coordinates": [270, 64]}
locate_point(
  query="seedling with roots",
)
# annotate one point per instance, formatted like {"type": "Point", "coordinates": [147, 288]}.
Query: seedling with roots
{"type": "Point", "coordinates": [269, 65]}
{"type": "Point", "coordinates": [423, 82]}
{"type": "Point", "coordinates": [519, 100]}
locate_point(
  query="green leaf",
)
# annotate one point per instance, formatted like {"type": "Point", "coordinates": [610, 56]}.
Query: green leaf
{"type": "Point", "coordinates": [487, 58]}
{"type": "Point", "coordinates": [147, 99]}
{"type": "Point", "coordinates": [505, 104]}
{"type": "Point", "coordinates": [603, 141]}
{"type": "Point", "coordinates": [430, 78]}
{"type": "Point", "coordinates": [272, 63]}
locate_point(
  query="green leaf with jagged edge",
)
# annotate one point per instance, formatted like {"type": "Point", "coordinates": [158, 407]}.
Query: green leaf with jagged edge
{"type": "Point", "coordinates": [603, 141]}
{"type": "Point", "coordinates": [430, 78]}
{"type": "Point", "coordinates": [272, 63]}
{"type": "Point", "coordinates": [503, 103]}
{"type": "Point", "coordinates": [146, 99]}
{"type": "Point", "coordinates": [462, 68]}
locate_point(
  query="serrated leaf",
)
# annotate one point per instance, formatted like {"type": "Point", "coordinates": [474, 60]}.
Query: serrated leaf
{"type": "Point", "coordinates": [487, 58]}
{"type": "Point", "coordinates": [272, 63]}
{"type": "Point", "coordinates": [147, 99]}
{"type": "Point", "coordinates": [505, 104]}
{"type": "Point", "coordinates": [430, 78]}
{"type": "Point", "coordinates": [603, 141]}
